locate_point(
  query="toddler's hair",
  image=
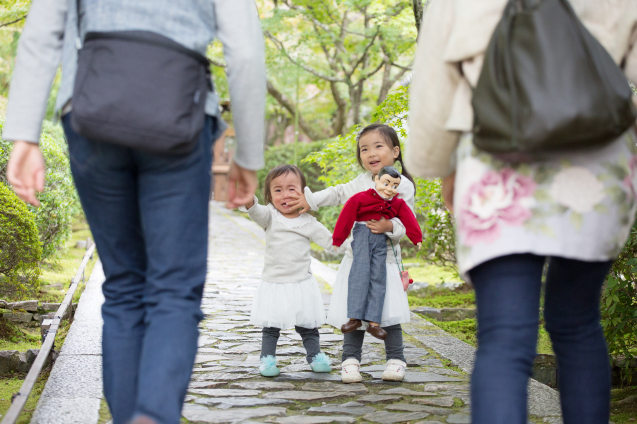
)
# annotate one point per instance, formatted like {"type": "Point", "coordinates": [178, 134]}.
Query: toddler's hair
{"type": "Point", "coordinates": [277, 171]}
{"type": "Point", "coordinates": [391, 138]}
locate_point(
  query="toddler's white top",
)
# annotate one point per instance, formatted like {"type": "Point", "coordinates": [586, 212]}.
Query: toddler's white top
{"type": "Point", "coordinates": [287, 243]}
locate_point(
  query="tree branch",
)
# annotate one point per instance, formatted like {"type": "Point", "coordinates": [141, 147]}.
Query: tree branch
{"type": "Point", "coordinates": [292, 109]}
{"type": "Point", "coordinates": [365, 51]}
{"type": "Point", "coordinates": [12, 22]}
{"type": "Point", "coordinates": [320, 75]}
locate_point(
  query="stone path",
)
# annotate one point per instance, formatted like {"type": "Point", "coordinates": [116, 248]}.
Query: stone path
{"type": "Point", "coordinates": [226, 386]}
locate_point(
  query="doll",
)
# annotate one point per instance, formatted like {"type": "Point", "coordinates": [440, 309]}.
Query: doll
{"type": "Point", "coordinates": [367, 277]}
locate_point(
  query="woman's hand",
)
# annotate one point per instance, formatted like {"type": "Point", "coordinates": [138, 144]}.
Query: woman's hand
{"type": "Point", "coordinates": [380, 227]}
{"type": "Point", "coordinates": [242, 184]}
{"type": "Point", "coordinates": [299, 201]}
{"type": "Point", "coordinates": [25, 171]}
{"type": "Point", "coordinates": [448, 184]}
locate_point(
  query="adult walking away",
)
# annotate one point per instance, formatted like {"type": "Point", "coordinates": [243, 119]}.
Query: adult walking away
{"type": "Point", "coordinates": [148, 212]}
{"type": "Point", "coordinates": [573, 210]}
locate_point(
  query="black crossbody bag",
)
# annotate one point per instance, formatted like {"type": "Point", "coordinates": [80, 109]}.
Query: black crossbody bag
{"type": "Point", "coordinates": [141, 90]}
{"type": "Point", "coordinates": [547, 85]}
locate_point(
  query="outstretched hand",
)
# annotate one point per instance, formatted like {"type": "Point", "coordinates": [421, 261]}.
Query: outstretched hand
{"type": "Point", "coordinates": [299, 201]}
{"type": "Point", "coordinates": [242, 184]}
{"type": "Point", "coordinates": [25, 171]}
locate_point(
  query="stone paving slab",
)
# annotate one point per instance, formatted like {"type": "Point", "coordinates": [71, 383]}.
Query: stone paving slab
{"type": "Point", "coordinates": [73, 391]}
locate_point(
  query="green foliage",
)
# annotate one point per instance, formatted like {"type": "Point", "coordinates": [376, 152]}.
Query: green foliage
{"type": "Point", "coordinates": [20, 250]}
{"type": "Point", "coordinates": [443, 298]}
{"type": "Point", "coordinates": [59, 200]}
{"type": "Point", "coordinates": [619, 302]}
{"type": "Point", "coordinates": [337, 161]}
{"type": "Point", "coordinates": [465, 330]}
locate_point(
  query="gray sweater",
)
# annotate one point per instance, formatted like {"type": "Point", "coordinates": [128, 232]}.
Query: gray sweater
{"type": "Point", "coordinates": [49, 38]}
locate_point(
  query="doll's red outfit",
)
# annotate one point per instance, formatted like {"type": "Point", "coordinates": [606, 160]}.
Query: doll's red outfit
{"type": "Point", "coordinates": [368, 275]}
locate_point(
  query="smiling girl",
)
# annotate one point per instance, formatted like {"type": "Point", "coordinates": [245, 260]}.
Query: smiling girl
{"type": "Point", "coordinates": [378, 146]}
{"type": "Point", "coordinates": [288, 295]}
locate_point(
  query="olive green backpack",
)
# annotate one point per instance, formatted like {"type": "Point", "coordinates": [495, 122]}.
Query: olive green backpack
{"type": "Point", "coordinates": [547, 85]}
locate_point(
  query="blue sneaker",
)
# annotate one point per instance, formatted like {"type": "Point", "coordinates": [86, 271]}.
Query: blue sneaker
{"type": "Point", "coordinates": [268, 366]}
{"type": "Point", "coordinates": [321, 363]}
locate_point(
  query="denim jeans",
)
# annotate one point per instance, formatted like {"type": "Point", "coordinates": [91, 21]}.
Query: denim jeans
{"type": "Point", "coordinates": [368, 276]}
{"type": "Point", "coordinates": [149, 217]}
{"type": "Point", "coordinates": [508, 299]}
{"type": "Point", "coordinates": [394, 348]}
{"type": "Point", "coordinates": [310, 337]}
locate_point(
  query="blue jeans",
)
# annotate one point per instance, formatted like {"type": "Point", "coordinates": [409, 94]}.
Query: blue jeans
{"type": "Point", "coordinates": [368, 276]}
{"type": "Point", "coordinates": [149, 218]}
{"type": "Point", "coordinates": [508, 298]}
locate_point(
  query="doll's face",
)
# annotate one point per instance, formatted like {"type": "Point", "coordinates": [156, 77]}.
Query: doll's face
{"type": "Point", "coordinates": [280, 189]}
{"type": "Point", "coordinates": [387, 185]}
{"type": "Point", "coordinates": [375, 152]}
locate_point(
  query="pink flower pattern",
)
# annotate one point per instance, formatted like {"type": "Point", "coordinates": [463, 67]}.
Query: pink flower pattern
{"type": "Point", "coordinates": [499, 197]}
{"type": "Point", "coordinates": [628, 180]}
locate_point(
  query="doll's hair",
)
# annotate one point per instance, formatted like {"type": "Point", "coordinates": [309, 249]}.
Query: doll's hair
{"type": "Point", "coordinates": [391, 138]}
{"type": "Point", "coordinates": [277, 171]}
{"type": "Point", "coordinates": [389, 170]}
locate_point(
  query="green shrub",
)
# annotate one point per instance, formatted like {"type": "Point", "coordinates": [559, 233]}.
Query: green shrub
{"type": "Point", "coordinates": [59, 202]}
{"type": "Point", "coordinates": [619, 302]}
{"type": "Point", "coordinates": [20, 250]}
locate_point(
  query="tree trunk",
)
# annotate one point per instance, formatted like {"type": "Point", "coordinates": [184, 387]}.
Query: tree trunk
{"type": "Point", "coordinates": [418, 12]}
{"type": "Point", "coordinates": [291, 107]}
{"type": "Point", "coordinates": [386, 84]}
{"type": "Point", "coordinates": [338, 124]}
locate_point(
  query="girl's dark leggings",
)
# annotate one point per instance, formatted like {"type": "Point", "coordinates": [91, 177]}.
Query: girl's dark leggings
{"type": "Point", "coordinates": [310, 337]}
{"type": "Point", "coordinates": [353, 343]}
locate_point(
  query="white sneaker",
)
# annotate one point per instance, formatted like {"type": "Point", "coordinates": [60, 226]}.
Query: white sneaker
{"type": "Point", "coordinates": [349, 371]}
{"type": "Point", "coordinates": [394, 370]}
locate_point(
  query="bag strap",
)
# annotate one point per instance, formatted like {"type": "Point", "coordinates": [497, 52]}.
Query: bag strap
{"type": "Point", "coordinates": [401, 267]}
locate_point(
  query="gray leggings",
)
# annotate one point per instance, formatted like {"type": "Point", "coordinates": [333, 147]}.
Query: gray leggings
{"type": "Point", "coordinates": [353, 344]}
{"type": "Point", "coordinates": [310, 337]}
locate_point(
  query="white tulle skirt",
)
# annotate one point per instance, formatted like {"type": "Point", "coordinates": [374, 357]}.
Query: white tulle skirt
{"type": "Point", "coordinates": [395, 308]}
{"type": "Point", "coordinates": [284, 305]}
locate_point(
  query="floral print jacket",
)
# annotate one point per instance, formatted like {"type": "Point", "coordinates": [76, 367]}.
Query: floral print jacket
{"type": "Point", "coordinates": [576, 205]}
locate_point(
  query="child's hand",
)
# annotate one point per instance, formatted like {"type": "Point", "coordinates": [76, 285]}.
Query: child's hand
{"type": "Point", "coordinates": [419, 246]}
{"type": "Point", "coordinates": [298, 201]}
{"type": "Point", "coordinates": [380, 227]}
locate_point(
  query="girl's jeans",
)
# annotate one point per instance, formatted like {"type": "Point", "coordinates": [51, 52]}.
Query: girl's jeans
{"type": "Point", "coordinates": [353, 344]}
{"type": "Point", "coordinates": [508, 299]}
{"type": "Point", "coordinates": [310, 337]}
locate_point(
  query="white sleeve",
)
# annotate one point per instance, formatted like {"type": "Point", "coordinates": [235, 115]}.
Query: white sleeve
{"type": "Point", "coordinates": [336, 195]}
{"type": "Point", "coordinates": [407, 193]}
{"type": "Point", "coordinates": [259, 213]}
{"type": "Point", "coordinates": [239, 30]}
{"type": "Point", "coordinates": [323, 237]}
{"type": "Point", "coordinates": [38, 58]}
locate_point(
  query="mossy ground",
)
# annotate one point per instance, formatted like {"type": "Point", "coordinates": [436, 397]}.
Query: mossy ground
{"type": "Point", "coordinates": [20, 338]}
{"type": "Point", "coordinates": [11, 384]}
{"type": "Point", "coordinates": [625, 413]}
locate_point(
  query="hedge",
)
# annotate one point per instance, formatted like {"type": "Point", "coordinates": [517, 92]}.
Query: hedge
{"type": "Point", "coordinates": [20, 250]}
{"type": "Point", "coordinates": [59, 201]}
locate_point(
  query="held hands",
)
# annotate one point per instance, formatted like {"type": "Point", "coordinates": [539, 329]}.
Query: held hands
{"type": "Point", "coordinates": [380, 227]}
{"type": "Point", "coordinates": [25, 171]}
{"type": "Point", "coordinates": [242, 184]}
{"type": "Point", "coordinates": [299, 201]}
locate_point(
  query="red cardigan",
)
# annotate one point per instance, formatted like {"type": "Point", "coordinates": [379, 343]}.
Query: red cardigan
{"type": "Point", "coordinates": [368, 205]}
